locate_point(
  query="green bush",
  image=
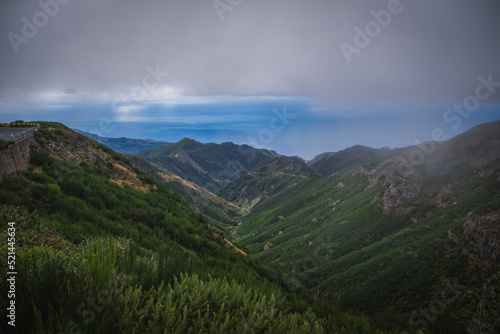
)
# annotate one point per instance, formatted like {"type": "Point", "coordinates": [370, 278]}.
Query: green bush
{"type": "Point", "coordinates": [5, 144]}
{"type": "Point", "coordinates": [40, 158]}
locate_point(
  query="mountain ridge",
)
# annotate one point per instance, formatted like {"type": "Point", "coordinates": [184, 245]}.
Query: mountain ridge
{"type": "Point", "coordinates": [124, 144]}
{"type": "Point", "coordinates": [94, 233]}
{"type": "Point", "coordinates": [272, 174]}
{"type": "Point", "coordinates": [381, 238]}
{"type": "Point", "coordinates": [392, 226]}
{"type": "Point", "coordinates": [209, 165]}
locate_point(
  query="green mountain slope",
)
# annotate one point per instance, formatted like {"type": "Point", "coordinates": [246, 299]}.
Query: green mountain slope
{"type": "Point", "coordinates": [269, 176]}
{"type": "Point", "coordinates": [330, 164]}
{"type": "Point", "coordinates": [403, 236]}
{"type": "Point", "coordinates": [221, 213]}
{"type": "Point", "coordinates": [319, 157]}
{"type": "Point", "coordinates": [211, 166]}
{"type": "Point", "coordinates": [101, 247]}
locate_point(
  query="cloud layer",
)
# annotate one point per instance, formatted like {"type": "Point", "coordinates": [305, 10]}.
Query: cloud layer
{"type": "Point", "coordinates": [429, 49]}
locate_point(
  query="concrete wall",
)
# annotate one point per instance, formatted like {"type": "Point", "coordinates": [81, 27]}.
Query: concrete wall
{"type": "Point", "coordinates": [16, 157]}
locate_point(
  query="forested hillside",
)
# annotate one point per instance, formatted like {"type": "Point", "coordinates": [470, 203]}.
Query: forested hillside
{"type": "Point", "coordinates": [329, 164]}
{"type": "Point", "coordinates": [101, 247]}
{"type": "Point", "coordinates": [387, 235]}
{"type": "Point", "coordinates": [221, 213]}
{"type": "Point", "coordinates": [269, 176]}
{"type": "Point", "coordinates": [406, 244]}
{"type": "Point", "coordinates": [211, 166]}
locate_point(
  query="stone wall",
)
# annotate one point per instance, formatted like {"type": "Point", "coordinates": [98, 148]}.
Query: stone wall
{"type": "Point", "coordinates": [16, 157]}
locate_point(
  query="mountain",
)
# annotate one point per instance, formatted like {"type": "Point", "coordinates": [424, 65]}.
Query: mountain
{"type": "Point", "coordinates": [328, 164]}
{"type": "Point", "coordinates": [269, 176]}
{"type": "Point", "coordinates": [320, 157]}
{"type": "Point", "coordinates": [124, 145]}
{"type": "Point", "coordinates": [102, 247]}
{"type": "Point", "coordinates": [407, 239]}
{"type": "Point", "coordinates": [211, 166]}
{"type": "Point", "coordinates": [411, 234]}
{"type": "Point", "coordinates": [221, 213]}
{"type": "Point", "coordinates": [432, 171]}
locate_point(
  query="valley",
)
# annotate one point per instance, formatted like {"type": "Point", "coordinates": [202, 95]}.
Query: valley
{"type": "Point", "coordinates": [364, 241]}
{"type": "Point", "coordinates": [376, 234]}
{"type": "Point", "coordinates": [250, 167]}
{"type": "Point", "coordinates": [377, 237]}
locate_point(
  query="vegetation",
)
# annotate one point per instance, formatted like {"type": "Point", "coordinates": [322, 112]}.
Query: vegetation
{"type": "Point", "coordinates": [5, 144]}
{"type": "Point", "coordinates": [351, 158]}
{"type": "Point", "coordinates": [383, 245]}
{"type": "Point", "coordinates": [221, 213]}
{"type": "Point", "coordinates": [97, 256]}
{"type": "Point", "coordinates": [108, 285]}
{"type": "Point", "coordinates": [270, 175]}
{"type": "Point", "coordinates": [211, 165]}
{"type": "Point", "coordinates": [102, 246]}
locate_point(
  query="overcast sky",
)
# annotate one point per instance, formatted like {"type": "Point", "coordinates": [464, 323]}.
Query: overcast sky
{"type": "Point", "coordinates": [427, 50]}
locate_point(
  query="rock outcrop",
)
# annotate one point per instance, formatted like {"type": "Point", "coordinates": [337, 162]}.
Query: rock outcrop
{"type": "Point", "coordinates": [483, 232]}
{"type": "Point", "coordinates": [16, 157]}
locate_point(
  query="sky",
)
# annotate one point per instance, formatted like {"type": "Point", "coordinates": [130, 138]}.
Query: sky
{"type": "Point", "coordinates": [299, 77]}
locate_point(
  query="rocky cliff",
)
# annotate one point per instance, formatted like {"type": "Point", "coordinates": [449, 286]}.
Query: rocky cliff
{"type": "Point", "coordinates": [15, 157]}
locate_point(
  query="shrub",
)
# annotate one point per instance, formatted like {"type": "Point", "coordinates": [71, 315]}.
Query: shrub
{"type": "Point", "coordinates": [40, 158]}
{"type": "Point", "coordinates": [5, 144]}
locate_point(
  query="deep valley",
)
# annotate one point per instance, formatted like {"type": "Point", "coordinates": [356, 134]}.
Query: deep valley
{"type": "Point", "coordinates": [355, 241]}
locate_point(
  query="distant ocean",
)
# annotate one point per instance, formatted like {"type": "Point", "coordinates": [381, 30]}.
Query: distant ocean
{"type": "Point", "coordinates": [290, 126]}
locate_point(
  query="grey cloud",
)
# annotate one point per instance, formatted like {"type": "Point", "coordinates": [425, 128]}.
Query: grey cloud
{"type": "Point", "coordinates": [431, 49]}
